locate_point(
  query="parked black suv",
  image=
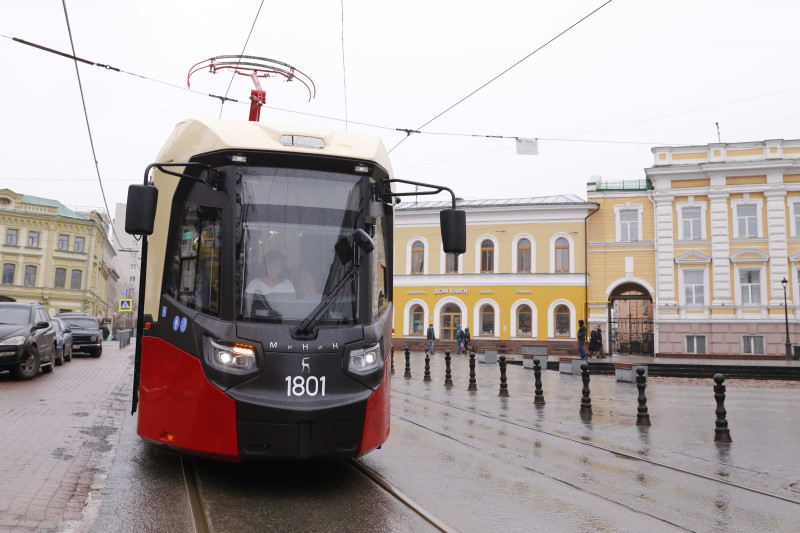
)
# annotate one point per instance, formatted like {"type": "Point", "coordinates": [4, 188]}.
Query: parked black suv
{"type": "Point", "coordinates": [86, 334]}
{"type": "Point", "coordinates": [27, 339]}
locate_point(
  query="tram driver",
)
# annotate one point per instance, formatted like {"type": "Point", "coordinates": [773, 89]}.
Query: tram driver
{"type": "Point", "coordinates": [267, 284]}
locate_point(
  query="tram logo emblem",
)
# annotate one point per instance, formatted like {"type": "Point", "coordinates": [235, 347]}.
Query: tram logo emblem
{"type": "Point", "coordinates": [305, 366]}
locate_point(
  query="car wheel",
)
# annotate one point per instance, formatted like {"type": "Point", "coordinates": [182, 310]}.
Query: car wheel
{"type": "Point", "coordinates": [29, 366]}
{"type": "Point", "coordinates": [59, 360]}
{"type": "Point", "coordinates": [98, 352]}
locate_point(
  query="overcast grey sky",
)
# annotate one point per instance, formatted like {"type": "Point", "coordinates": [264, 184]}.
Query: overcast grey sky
{"type": "Point", "coordinates": [636, 74]}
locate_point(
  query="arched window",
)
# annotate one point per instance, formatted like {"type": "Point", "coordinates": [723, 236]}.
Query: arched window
{"type": "Point", "coordinates": [416, 320]}
{"type": "Point", "coordinates": [487, 256]}
{"type": "Point", "coordinates": [524, 255]}
{"type": "Point", "coordinates": [417, 258]}
{"type": "Point", "coordinates": [524, 321]}
{"type": "Point", "coordinates": [561, 321]}
{"type": "Point", "coordinates": [451, 264]}
{"type": "Point", "coordinates": [562, 255]}
{"type": "Point", "coordinates": [486, 320]}
{"type": "Point", "coordinates": [450, 320]}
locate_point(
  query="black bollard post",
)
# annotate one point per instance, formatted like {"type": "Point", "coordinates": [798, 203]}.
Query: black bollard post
{"type": "Point", "coordinates": [503, 380]}
{"type": "Point", "coordinates": [473, 383]}
{"type": "Point", "coordinates": [392, 356]}
{"type": "Point", "coordinates": [642, 417]}
{"type": "Point", "coordinates": [586, 401]}
{"type": "Point", "coordinates": [427, 375]}
{"type": "Point", "coordinates": [408, 363]}
{"type": "Point", "coordinates": [448, 377]}
{"type": "Point", "coordinates": [721, 432]}
{"type": "Point", "coordinates": [537, 374]}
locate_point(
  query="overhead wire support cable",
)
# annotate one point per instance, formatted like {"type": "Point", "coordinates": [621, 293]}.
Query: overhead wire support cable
{"type": "Point", "coordinates": [88, 127]}
{"type": "Point", "coordinates": [241, 54]}
{"type": "Point", "coordinates": [508, 69]}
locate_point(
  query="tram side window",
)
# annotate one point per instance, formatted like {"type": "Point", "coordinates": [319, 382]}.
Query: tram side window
{"type": "Point", "coordinates": [195, 269]}
{"type": "Point", "coordinates": [380, 290]}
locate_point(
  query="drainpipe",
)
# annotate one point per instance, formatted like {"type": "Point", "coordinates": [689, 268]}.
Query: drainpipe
{"type": "Point", "coordinates": [655, 276]}
{"type": "Point", "coordinates": [586, 263]}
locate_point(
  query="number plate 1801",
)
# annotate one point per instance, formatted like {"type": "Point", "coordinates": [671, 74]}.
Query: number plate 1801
{"type": "Point", "coordinates": [305, 386]}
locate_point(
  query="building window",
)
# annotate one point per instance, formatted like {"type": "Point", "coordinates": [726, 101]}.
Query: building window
{"type": "Point", "coordinates": [30, 276]}
{"type": "Point", "coordinates": [451, 264]}
{"type": "Point", "coordinates": [487, 256]}
{"type": "Point", "coordinates": [747, 220]}
{"type": "Point", "coordinates": [750, 282]}
{"type": "Point", "coordinates": [450, 320]}
{"type": "Point", "coordinates": [696, 344]}
{"type": "Point", "coordinates": [562, 254]}
{"type": "Point", "coordinates": [524, 321]}
{"type": "Point", "coordinates": [487, 320]}
{"type": "Point", "coordinates": [61, 278]}
{"type": "Point", "coordinates": [694, 289]}
{"type": "Point", "coordinates": [133, 279]}
{"type": "Point", "coordinates": [796, 219]}
{"type": "Point", "coordinates": [417, 320]}
{"type": "Point", "coordinates": [561, 316]}
{"type": "Point", "coordinates": [524, 255]}
{"type": "Point", "coordinates": [11, 237]}
{"type": "Point", "coordinates": [33, 239]}
{"type": "Point", "coordinates": [8, 274]}
{"type": "Point", "coordinates": [753, 344]}
{"type": "Point", "coordinates": [79, 244]}
{"type": "Point", "coordinates": [63, 242]}
{"type": "Point", "coordinates": [628, 225]}
{"type": "Point", "coordinates": [692, 226]}
{"type": "Point", "coordinates": [417, 258]}
{"type": "Point", "coordinates": [133, 266]}
{"type": "Point", "coordinates": [75, 280]}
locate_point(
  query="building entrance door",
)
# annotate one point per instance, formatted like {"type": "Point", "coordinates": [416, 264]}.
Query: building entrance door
{"type": "Point", "coordinates": [451, 319]}
{"type": "Point", "coordinates": [631, 321]}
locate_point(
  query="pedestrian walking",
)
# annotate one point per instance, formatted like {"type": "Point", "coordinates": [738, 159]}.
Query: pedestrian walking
{"type": "Point", "coordinates": [459, 338]}
{"type": "Point", "coordinates": [582, 340]}
{"type": "Point", "coordinates": [466, 339]}
{"type": "Point", "coordinates": [431, 338]}
{"type": "Point", "coordinates": [596, 342]}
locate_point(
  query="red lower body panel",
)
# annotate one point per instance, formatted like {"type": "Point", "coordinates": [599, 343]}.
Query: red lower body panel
{"type": "Point", "coordinates": [180, 408]}
{"type": "Point", "coordinates": [376, 421]}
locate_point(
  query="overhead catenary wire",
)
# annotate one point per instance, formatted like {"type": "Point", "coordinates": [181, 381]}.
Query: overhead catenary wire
{"type": "Point", "coordinates": [233, 74]}
{"type": "Point", "coordinates": [86, 116]}
{"type": "Point", "coordinates": [506, 70]}
{"type": "Point", "coordinates": [344, 70]}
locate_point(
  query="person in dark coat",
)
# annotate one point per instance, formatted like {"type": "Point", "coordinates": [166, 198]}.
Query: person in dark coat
{"type": "Point", "coordinates": [431, 337]}
{"type": "Point", "coordinates": [582, 340]}
{"type": "Point", "coordinates": [596, 342]}
{"type": "Point", "coordinates": [466, 339]}
{"type": "Point", "coordinates": [460, 338]}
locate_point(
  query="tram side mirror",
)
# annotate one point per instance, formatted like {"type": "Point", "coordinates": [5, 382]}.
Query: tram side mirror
{"type": "Point", "coordinates": [345, 246]}
{"type": "Point", "coordinates": [140, 213]}
{"type": "Point", "coordinates": [454, 230]}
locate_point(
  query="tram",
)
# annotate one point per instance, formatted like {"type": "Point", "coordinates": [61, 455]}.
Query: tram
{"type": "Point", "coordinates": [265, 299]}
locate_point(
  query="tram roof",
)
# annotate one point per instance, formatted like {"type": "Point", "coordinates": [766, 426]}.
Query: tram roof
{"type": "Point", "coordinates": [198, 136]}
{"type": "Point", "coordinates": [559, 200]}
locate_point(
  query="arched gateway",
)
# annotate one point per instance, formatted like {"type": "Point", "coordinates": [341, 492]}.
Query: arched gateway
{"type": "Point", "coordinates": [630, 317]}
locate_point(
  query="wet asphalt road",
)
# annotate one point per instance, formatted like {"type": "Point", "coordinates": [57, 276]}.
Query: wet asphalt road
{"type": "Point", "coordinates": [481, 463]}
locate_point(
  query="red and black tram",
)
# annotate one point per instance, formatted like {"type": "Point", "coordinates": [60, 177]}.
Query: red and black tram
{"type": "Point", "coordinates": [264, 324]}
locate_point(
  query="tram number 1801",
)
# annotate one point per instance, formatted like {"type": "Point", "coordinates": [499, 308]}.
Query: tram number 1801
{"type": "Point", "coordinates": [305, 386]}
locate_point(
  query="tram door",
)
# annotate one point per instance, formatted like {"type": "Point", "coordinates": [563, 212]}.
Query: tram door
{"type": "Point", "coordinates": [451, 319]}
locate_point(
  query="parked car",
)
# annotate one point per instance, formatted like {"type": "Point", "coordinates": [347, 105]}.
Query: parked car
{"type": "Point", "coordinates": [63, 341]}
{"type": "Point", "coordinates": [86, 334]}
{"type": "Point", "coordinates": [27, 339]}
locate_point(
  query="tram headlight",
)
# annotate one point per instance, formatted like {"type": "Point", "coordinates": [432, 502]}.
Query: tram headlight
{"type": "Point", "coordinates": [234, 359]}
{"type": "Point", "coordinates": [365, 360]}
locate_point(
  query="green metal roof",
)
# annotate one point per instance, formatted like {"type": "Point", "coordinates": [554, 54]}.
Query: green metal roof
{"type": "Point", "coordinates": [61, 209]}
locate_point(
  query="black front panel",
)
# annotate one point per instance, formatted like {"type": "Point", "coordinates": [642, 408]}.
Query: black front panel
{"type": "Point", "coordinates": [259, 440]}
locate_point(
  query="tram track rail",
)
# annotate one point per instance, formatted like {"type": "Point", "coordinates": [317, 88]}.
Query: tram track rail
{"type": "Point", "coordinates": [617, 453]}
{"type": "Point", "coordinates": [196, 505]}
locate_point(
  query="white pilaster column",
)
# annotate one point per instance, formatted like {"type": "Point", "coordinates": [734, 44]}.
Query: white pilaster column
{"type": "Point", "coordinates": [778, 250]}
{"type": "Point", "coordinates": [665, 250]}
{"type": "Point", "coordinates": [720, 249]}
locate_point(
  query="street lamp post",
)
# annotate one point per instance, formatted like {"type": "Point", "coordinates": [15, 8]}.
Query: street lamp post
{"type": "Point", "coordinates": [785, 283]}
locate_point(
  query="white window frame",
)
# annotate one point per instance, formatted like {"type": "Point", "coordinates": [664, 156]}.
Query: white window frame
{"type": "Point", "coordinates": [514, 249]}
{"type": "Point", "coordinates": [761, 285]}
{"type": "Point", "coordinates": [795, 214]}
{"type": "Point", "coordinates": [534, 319]}
{"type": "Point", "coordinates": [688, 205]}
{"type": "Point", "coordinates": [694, 344]}
{"type": "Point", "coordinates": [551, 321]}
{"type": "Point", "coordinates": [759, 203]}
{"type": "Point", "coordinates": [443, 263]}
{"type": "Point", "coordinates": [425, 254]}
{"type": "Point", "coordinates": [751, 346]}
{"type": "Point", "coordinates": [571, 242]}
{"type": "Point", "coordinates": [476, 312]}
{"type": "Point", "coordinates": [407, 316]}
{"type": "Point", "coordinates": [495, 257]}
{"type": "Point", "coordinates": [682, 286]}
{"type": "Point", "coordinates": [639, 208]}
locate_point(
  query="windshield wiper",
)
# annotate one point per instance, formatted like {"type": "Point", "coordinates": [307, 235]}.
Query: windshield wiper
{"type": "Point", "coordinates": [305, 327]}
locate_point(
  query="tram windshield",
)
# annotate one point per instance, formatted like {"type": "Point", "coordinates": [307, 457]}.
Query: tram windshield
{"type": "Point", "coordinates": [291, 222]}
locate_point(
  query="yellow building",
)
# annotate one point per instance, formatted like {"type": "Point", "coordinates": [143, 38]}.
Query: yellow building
{"type": "Point", "coordinates": [52, 255]}
{"type": "Point", "coordinates": [522, 279]}
{"type": "Point", "coordinates": [712, 238]}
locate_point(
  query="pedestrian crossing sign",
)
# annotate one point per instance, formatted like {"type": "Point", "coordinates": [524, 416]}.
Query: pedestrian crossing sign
{"type": "Point", "coordinates": [125, 304]}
